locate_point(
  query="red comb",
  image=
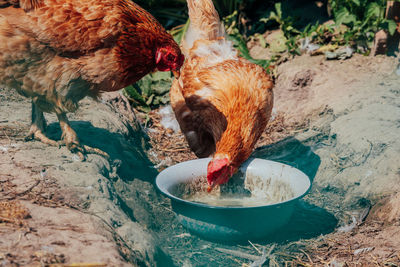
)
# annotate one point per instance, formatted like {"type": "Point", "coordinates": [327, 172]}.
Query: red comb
{"type": "Point", "coordinates": [215, 169]}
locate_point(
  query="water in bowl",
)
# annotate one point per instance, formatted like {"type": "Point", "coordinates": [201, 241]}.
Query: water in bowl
{"type": "Point", "coordinates": [251, 191]}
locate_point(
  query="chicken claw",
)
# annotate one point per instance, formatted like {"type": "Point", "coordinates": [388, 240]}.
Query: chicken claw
{"type": "Point", "coordinates": [38, 127]}
{"type": "Point", "coordinates": [94, 150]}
{"type": "Point", "coordinates": [82, 150]}
{"type": "Point", "coordinates": [37, 134]}
{"type": "Point", "coordinates": [76, 148]}
{"type": "Point", "coordinates": [71, 141]}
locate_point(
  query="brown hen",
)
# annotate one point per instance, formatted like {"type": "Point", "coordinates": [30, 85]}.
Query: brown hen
{"type": "Point", "coordinates": [221, 101]}
{"type": "Point", "coordinates": [59, 51]}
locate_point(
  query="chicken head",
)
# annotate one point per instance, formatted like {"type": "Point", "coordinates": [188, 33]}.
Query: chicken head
{"type": "Point", "coordinates": [169, 58]}
{"type": "Point", "coordinates": [219, 171]}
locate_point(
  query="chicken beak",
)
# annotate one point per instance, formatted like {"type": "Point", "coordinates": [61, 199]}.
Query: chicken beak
{"type": "Point", "coordinates": [176, 74]}
{"type": "Point", "coordinates": [218, 181]}
{"type": "Point", "coordinates": [211, 187]}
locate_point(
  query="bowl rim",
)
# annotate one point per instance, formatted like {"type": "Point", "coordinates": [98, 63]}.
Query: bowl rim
{"type": "Point", "coordinates": [203, 205]}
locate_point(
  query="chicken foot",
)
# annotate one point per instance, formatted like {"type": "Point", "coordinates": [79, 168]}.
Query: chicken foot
{"type": "Point", "coordinates": [38, 127]}
{"type": "Point", "coordinates": [71, 141]}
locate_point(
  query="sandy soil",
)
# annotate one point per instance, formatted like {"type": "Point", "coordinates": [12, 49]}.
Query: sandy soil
{"type": "Point", "coordinates": [338, 122]}
{"type": "Point", "coordinates": [335, 120]}
{"type": "Point", "coordinates": [74, 211]}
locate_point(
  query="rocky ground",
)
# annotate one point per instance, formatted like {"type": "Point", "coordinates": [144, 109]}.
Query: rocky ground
{"type": "Point", "coordinates": [338, 121]}
{"type": "Point", "coordinates": [72, 211]}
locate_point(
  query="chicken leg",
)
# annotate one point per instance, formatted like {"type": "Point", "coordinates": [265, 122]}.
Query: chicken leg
{"type": "Point", "coordinates": [69, 137]}
{"type": "Point", "coordinates": [71, 141]}
{"type": "Point", "coordinates": [38, 127]}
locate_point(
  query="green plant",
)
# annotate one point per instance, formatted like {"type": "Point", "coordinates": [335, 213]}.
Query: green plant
{"type": "Point", "coordinates": [355, 24]}
{"type": "Point", "coordinates": [320, 33]}
{"type": "Point", "coordinates": [150, 92]}
{"type": "Point", "coordinates": [286, 24]}
{"type": "Point", "coordinates": [240, 42]}
{"type": "Point", "coordinates": [227, 7]}
{"type": "Point", "coordinates": [169, 12]}
{"type": "Point", "coordinates": [363, 18]}
{"type": "Point", "coordinates": [172, 13]}
{"type": "Point", "coordinates": [179, 31]}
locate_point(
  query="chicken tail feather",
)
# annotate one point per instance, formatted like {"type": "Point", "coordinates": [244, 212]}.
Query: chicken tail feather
{"type": "Point", "coordinates": [204, 22]}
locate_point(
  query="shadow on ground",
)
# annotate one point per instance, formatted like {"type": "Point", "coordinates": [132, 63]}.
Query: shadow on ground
{"type": "Point", "coordinates": [308, 220]}
{"type": "Point", "coordinates": [126, 150]}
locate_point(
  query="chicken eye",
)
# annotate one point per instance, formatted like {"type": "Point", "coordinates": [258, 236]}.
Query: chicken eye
{"type": "Point", "coordinates": [170, 57]}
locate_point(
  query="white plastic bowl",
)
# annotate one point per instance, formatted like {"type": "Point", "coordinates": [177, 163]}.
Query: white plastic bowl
{"type": "Point", "coordinates": [233, 223]}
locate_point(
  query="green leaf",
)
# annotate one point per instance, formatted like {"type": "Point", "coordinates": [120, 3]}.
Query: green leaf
{"type": "Point", "coordinates": [389, 25]}
{"type": "Point", "coordinates": [164, 99]}
{"type": "Point", "coordinates": [278, 8]}
{"type": "Point", "coordinates": [356, 2]}
{"type": "Point", "coordinates": [179, 32]}
{"type": "Point", "coordinates": [392, 26]}
{"type": "Point", "coordinates": [343, 16]}
{"type": "Point", "coordinates": [373, 10]}
{"type": "Point", "coordinates": [277, 42]}
{"type": "Point", "coordinates": [340, 15]}
{"type": "Point", "coordinates": [307, 29]}
{"type": "Point", "coordinates": [261, 39]}
{"type": "Point", "coordinates": [133, 94]}
{"type": "Point", "coordinates": [240, 45]}
{"type": "Point", "coordinates": [150, 100]}
{"type": "Point", "coordinates": [145, 109]}
{"type": "Point", "coordinates": [272, 16]}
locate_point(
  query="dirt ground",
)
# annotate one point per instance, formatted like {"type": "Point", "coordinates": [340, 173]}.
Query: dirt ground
{"type": "Point", "coordinates": [337, 121]}
{"type": "Point", "coordinates": [58, 211]}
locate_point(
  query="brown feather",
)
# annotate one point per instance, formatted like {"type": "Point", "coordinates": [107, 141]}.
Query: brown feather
{"type": "Point", "coordinates": [219, 94]}
{"type": "Point", "coordinates": [59, 51]}
{"type": "Point", "coordinates": [205, 18]}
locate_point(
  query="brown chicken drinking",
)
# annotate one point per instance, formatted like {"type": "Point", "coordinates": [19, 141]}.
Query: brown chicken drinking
{"type": "Point", "coordinates": [221, 101]}
{"type": "Point", "coordinates": [59, 51]}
